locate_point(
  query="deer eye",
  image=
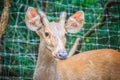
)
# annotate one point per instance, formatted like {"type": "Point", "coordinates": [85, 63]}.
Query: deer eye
{"type": "Point", "coordinates": [65, 34]}
{"type": "Point", "coordinates": [46, 34]}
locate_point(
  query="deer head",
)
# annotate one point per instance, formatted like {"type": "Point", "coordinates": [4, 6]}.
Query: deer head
{"type": "Point", "coordinates": [53, 33]}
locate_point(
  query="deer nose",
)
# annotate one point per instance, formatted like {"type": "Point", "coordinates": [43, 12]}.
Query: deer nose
{"type": "Point", "coordinates": [62, 54]}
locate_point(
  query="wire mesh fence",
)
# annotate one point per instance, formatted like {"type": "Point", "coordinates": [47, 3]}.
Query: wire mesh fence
{"type": "Point", "coordinates": [20, 45]}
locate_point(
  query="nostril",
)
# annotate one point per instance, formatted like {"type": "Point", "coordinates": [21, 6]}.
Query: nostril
{"type": "Point", "coordinates": [60, 55]}
{"type": "Point", "coordinates": [63, 55]}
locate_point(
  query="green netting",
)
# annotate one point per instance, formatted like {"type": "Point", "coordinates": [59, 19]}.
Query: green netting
{"type": "Point", "coordinates": [20, 45]}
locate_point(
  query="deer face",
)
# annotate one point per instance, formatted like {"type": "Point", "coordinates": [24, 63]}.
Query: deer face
{"type": "Point", "coordinates": [53, 33]}
{"type": "Point", "coordinates": [54, 38]}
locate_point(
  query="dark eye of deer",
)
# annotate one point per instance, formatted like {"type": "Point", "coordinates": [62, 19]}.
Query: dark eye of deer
{"type": "Point", "coordinates": [65, 35]}
{"type": "Point", "coordinates": [46, 34]}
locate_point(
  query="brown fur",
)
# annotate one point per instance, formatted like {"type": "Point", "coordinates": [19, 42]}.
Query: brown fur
{"type": "Point", "coordinates": [102, 64]}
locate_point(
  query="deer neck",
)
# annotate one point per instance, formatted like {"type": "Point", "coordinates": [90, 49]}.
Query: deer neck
{"type": "Point", "coordinates": [46, 64]}
{"type": "Point", "coordinates": [44, 55]}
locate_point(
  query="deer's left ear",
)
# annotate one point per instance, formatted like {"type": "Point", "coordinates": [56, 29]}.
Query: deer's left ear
{"type": "Point", "coordinates": [75, 22]}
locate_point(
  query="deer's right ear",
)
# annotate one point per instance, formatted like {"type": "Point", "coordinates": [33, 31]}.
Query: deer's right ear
{"type": "Point", "coordinates": [32, 19]}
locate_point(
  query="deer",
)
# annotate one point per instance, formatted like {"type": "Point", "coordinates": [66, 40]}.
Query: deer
{"type": "Point", "coordinates": [53, 63]}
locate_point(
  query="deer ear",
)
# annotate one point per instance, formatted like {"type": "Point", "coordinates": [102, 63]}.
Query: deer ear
{"type": "Point", "coordinates": [32, 19]}
{"type": "Point", "coordinates": [75, 22]}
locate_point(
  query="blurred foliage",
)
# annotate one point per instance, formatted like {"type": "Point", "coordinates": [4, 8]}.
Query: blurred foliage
{"type": "Point", "coordinates": [20, 44]}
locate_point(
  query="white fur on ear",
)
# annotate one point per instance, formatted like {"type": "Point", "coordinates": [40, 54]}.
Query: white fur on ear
{"type": "Point", "coordinates": [32, 19]}
{"type": "Point", "coordinates": [75, 22]}
{"type": "Point", "coordinates": [32, 25]}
